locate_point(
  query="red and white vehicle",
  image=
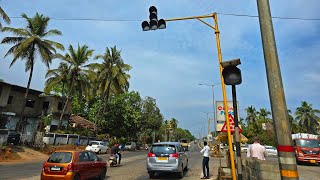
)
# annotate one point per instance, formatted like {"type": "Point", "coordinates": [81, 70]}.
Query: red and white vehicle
{"type": "Point", "coordinates": [307, 148]}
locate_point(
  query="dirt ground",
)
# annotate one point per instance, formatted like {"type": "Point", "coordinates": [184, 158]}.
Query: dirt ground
{"type": "Point", "coordinates": [22, 153]}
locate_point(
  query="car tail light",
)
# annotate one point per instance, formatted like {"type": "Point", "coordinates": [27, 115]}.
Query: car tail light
{"type": "Point", "coordinates": [176, 155]}
{"type": "Point", "coordinates": [44, 166]}
{"type": "Point", "coordinates": [70, 167]}
{"type": "Point", "coordinates": [151, 154]}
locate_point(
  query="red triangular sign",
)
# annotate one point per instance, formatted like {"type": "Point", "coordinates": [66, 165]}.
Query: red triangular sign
{"type": "Point", "coordinates": [231, 121]}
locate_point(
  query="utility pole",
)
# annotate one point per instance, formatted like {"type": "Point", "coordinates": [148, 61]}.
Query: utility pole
{"type": "Point", "coordinates": [287, 162]}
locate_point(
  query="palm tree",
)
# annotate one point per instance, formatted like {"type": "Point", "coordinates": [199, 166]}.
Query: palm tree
{"type": "Point", "coordinates": [29, 42]}
{"type": "Point", "coordinates": [294, 125]}
{"type": "Point", "coordinates": [252, 117]}
{"type": "Point", "coordinates": [307, 118]}
{"type": "Point", "coordinates": [251, 114]}
{"type": "Point", "coordinates": [76, 61]}
{"type": "Point", "coordinates": [4, 17]}
{"type": "Point", "coordinates": [112, 73]}
{"type": "Point", "coordinates": [264, 114]}
{"type": "Point", "coordinates": [56, 77]}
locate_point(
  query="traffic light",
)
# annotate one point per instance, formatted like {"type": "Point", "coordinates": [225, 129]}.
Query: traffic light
{"type": "Point", "coordinates": [231, 74]}
{"type": "Point", "coordinates": [153, 23]}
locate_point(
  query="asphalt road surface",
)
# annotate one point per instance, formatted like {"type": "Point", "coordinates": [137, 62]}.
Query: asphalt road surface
{"type": "Point", "coordinates": [133, 166]}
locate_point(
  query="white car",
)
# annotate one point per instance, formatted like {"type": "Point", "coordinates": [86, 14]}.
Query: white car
{"type": "Point", "coordinates": [97, 147]}
{"type": "Point", "coordinates": [132, 146]}
{"type": "Point", "coordinates": [244, 148]}
{"type": "Point", "coordinates": [271, 151]}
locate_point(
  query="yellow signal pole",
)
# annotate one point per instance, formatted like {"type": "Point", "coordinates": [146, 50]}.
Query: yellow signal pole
{"type": "Point", "coordinates": [217, 32]}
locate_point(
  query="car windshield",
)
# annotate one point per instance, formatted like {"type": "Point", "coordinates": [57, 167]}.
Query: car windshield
{"type": "Point", "coordinates": [95, 143]}
{"type": "Point", "coordinates": [60, 157]}
{"type": "Point", "coordinates": [163, 149]}
{"type": "Point", "coordinates": [310, 143]}
{"type": "Point", "coordinates": [183, 141]}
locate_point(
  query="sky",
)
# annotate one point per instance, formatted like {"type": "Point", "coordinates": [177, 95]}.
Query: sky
{"type": "Point", "coordinates": [169, 64]}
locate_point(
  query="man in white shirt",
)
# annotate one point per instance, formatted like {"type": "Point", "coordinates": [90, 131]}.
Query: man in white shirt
{"type": "Point", "coordinates": [205, 162]}
{"type": "Point", "coordinates": [257, 150]}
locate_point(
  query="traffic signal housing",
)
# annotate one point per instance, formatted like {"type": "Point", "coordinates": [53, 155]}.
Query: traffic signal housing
{"type": "Point", "coordinates": [153, 23]}
{"type": "Point", "coordinates": [231, 74]}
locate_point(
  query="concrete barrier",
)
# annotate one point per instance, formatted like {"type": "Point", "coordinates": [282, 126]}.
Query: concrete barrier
{"type": "Point", "coordinates": [255, 169]}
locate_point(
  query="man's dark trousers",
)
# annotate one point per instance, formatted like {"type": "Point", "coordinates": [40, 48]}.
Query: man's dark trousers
{"type": "Point", "coordinates": [205, 165]}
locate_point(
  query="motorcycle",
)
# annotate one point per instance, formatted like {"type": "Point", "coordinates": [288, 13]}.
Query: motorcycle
{"type": "Point", "coordinates": [113, 160]}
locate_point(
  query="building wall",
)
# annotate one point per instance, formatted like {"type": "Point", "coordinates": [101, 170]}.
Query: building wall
{"type": "Point", "coordinates": [54, 104]}
{"type": "Point", "coordinates": [18, 103]}
{"type": "Point", "coordinates": [4, 95]}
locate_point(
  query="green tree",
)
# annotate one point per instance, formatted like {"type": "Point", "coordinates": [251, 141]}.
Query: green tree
{"type": "Point", "coordinates": [294, 125]}
{"type": "Point", "coordinates": [264, 113]}
{"type": "Point", "coordinates": [76, 60]}
{"type": "Point", "coordinates": [151, 118]}
{"type": "Point", "coordinates": [307, 117]}
{"type": "Point", "coordinates": [57, 77]}
{"type": "Point", "coordinates": [29, 42]}
{"type": "Point", "coordinates": [112, 73]}
{"type": "Point", "coordinates": [4, 17]}
{"type": "Point", "coordinates": [252, 117]}
{"type": "Point", "coordinates": [122, 117]}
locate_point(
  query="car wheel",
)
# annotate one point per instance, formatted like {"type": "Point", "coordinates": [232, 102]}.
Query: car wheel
{"type": "Point", "coordinates": [103, 174]}
{"type": "Point", "coordinates": [186, 168]}
{"type": "Point", "coordinates": [180, 174]}
{"type": "Point", "coordinates": [151, 174]}
{"type": "Point", "coordinates": [76, 177]}
{"type": "Point", "coordinates": [99, 152]}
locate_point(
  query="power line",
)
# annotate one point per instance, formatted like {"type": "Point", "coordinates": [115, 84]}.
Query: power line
{"type": "Point", "coordinates": [274, 17]}
{"type": "Point", "coordinates": [137, 20]}
{"type": "Point", "coordinates": [88, 19]}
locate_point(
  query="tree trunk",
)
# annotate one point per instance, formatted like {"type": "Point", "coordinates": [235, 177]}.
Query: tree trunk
{"type": "Point", "coordinates": [20, 122]}
{"type": "Point", "coordinates": [66, 104]}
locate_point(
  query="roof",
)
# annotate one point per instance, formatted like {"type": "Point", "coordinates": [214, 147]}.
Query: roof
{"type": "Point", "coordinates": [82, 122]}
{"type": "Point", "coordinates": [22, 89]}
{"type": "Point", "coordinates": [166, 143]}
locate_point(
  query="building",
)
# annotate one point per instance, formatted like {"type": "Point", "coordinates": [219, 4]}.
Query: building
{"type": "Point", "coordinates": [36, 105]}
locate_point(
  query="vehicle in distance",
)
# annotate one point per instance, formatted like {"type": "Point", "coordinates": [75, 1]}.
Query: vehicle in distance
{"type": "Point", "coordinates": [307, 150]}
{"type": "Point", "coordinates": [184, 143]}
{"type": "Point", "coordinates": [167, 157]}
{"type": "Point", "coordinates": [132, 146]}
{"type": "Point", "coordinates": [244, 148]}
{"type": "Point", "coordinates": [97, 147]}
{"type": "Point", "coordinates": [73, 165]}
{"type": "Point", "coordinates": [271, 151]}
{"type": "Point", "coordinates": [13, 136]}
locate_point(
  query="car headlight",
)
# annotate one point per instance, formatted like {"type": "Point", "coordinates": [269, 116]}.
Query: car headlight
{"type": "Point", "coordinates": [300, 154]}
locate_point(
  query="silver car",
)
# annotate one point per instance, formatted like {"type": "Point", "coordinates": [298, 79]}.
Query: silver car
{"type": "Point", "coordinates": [167, 157]}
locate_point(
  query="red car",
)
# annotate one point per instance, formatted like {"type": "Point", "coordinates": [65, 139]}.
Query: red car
{"type": "Point", "coordinates": [73, 165]}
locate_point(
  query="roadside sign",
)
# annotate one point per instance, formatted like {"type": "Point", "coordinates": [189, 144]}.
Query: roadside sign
{"type": "Point", "coordinates": [220, 114]}
{"type": "Point", "coordinates": [231, 121]}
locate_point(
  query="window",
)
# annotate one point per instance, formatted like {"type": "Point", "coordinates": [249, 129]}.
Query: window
{"type": "Point", "coordinates": [60, 157]}
{"type": "Point", "coordinates": [163, 149]}
{"type": "Point", "coordinates": [93, 157]}
{"type": "Point", "coordinates": [60, 106]}
{"type": "Point", "coordinates": [83, 156]}
{"type": "Point", "coordinates": [30, 103]}
{"type": "Point", "coordinates": [45, 105]}
{"type": "Point", "coordinates": [10, 99]}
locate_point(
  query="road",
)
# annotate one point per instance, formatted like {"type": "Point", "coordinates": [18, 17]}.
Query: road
{"type": "Point", "coordinates": [134, 167]}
